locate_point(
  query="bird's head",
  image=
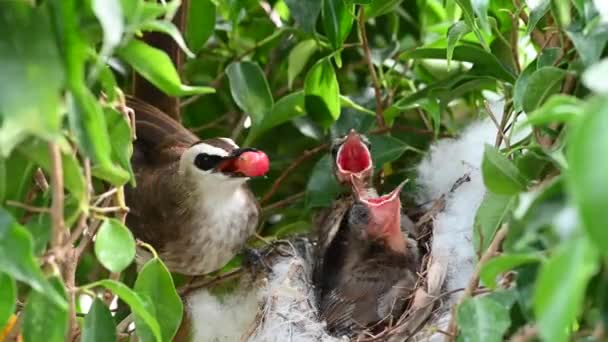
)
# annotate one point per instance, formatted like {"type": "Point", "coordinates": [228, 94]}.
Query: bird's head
{"type": "Point", "coordinates": [351, 156]}
{"type": "Point", "coordinates": [378, 218]}
{"type": "Point", "coordinates": [221, 160]}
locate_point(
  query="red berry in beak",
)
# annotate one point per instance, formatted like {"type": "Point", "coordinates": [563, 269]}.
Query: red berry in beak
{"type": "Point", "coordinates": [252, 163]}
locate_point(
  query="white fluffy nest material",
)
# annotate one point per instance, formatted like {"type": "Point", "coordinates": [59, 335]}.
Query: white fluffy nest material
{"type": "Point", "coordinates": [281, 306]}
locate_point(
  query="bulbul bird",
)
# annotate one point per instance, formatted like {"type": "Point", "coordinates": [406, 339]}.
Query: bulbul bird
{"type": "Point", "coordinates": [365, 265]}
{"type": "Point", "coordinates": [191, 201]}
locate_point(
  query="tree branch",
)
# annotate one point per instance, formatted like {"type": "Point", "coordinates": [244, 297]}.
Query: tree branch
{"type": "Point", "coordinates": [372, 71]}
{"type": "Point", "coordinates": [59, 231]}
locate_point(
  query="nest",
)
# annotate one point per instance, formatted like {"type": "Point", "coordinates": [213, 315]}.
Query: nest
{"type": "Point", "coordinates": [287, 310]}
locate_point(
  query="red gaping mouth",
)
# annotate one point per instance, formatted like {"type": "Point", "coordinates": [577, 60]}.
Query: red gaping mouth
{"type": "Point", "coordinates": [353, 156]}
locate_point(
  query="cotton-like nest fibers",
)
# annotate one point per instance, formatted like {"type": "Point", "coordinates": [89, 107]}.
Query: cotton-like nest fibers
{"type": "Point", "coordinates": [281, 306]}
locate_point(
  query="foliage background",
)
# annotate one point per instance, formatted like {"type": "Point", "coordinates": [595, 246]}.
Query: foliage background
{"type": "Point", "coordinates": [287, 76]}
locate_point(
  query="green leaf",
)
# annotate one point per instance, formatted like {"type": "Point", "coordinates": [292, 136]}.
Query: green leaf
{"type": "Point", "coordinates": [594, 77]}
{"type": "Point", "coordinates": [482, 319]}
{"type": "Point", "coordinates": [250, 90]}
{"type": "Point", "coordinates": [73, 175]}
{"type": "Point", "coordinates": [17, 171]}
{"type": "Point", "coordinates": [170, 29]}
{"type": "Point", "coordinates": [337, 21]}
{"type": "Point", "coordinates": [480, 7]}
{"type": "Point", "coordinates": [455, 32]}
{"type": "Point", "coordinates": [499, 173]}
{"type": "Point", "coordinates": [380, 7]}
{"type": "Point", "coordinates": [589, 43]}
{"type": "Point", "coordinates": [537, 11]}
{"type": "Point", "coordinates": [135, 302]}
{"type": "Point", "coordinates": [29, 59]}
{"type": "Point", "coordinates": [322, 93]}
{"type": "Point", "coordinates": [155, 286]}
{"type": "Point", "coordinates": [109, 14]}
{"type": "Point", "coordinates": [503, 263]}
{"type": "Point", "coordinates": [490, 215]}
{"type": "Point", "coordinates": [558, 108]}
{"type": "Point", "coordinates": [88, 122]}
{"type": "Point", "coordinates": [346, 102]}
{"type": "Point", "coordinates": [521, 85]}
{"type": "Point", "coordinates": [298, 57]}
{"type": "Point", "coordinates": [542, 83]}
{"type": "Point", "coordinates": [285, 109]}
{"type": "Point", "coordinates": [560, 287]}
{"type": "Point", "coordinates": [114, 245]}
{"type": "Point", "coordinates": [322, 186]}
{"type": "Point", "coordinates": [386, 149]}
{"type": "Point", "coordinates": [8, 297]}
{"type": "Point", "coordinates": [120, 139]}
{"type": "Point", "coordinates": [99, 324]}
{"type": "Point", "coordinates": [305, 13]}
{"type": "Point", "coordinates": [155, 66]}
{"type": "Point", "coordinates": [201, 23]}
{"type": "Point", "coordinates": [18, 261]}
{"type": "Point", "coordinates": [43, 320]}
{"type": "Point", "coordinates": [484, 63]}
{"type": "Point", "coordinates": [588, 163]}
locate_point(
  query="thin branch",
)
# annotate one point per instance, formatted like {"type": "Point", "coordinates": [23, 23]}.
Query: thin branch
{"type": "Point", "coordinates": [284, 202]}
{"type": "Point", "coordinates": [289, 170]}
{"type": "Point", "coordinates": [515, 42]}
{"type": "Point", "coordinates": [474, 281]}
{"type": "Point", "coordinates": [372, 71]}
{"type": "Point", "coordinates": [27, 207]}
{"type": "Point", "coordinates": [59, 231]}
{"type": "Point", "coordinates": [499, 126]}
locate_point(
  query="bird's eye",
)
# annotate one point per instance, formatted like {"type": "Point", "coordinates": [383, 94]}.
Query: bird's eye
{"type": "Point", "coordinates": [206, 161]}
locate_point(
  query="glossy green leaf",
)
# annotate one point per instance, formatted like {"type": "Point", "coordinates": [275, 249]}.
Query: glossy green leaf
{"type": "Point", "coordinates": [521, 85]}
{"type": "Point", "coordinates": [73, 175]}
{"type": "Point", "coordinates": [455, 32]}
{"type": "Point", "coordinates": [561, 285]}
{"type": "Point", "coordinates": [558, 108]}
{"type": "Point", "coordinates": [155, 286]}
{"type": "Point", "coordinates": [538, 9]}
{"type": "Point", "coordinates": [386, 149]}
{"type": "Point", "coordinates": [337, 21]}
{"type": "Point", "coordinates": [542, 83]}
{"type": "Point", "coordinates": [88, 122]}
{"type": "Point", "coordinates": [503, 263]}
{"type": "Point", "coordinates": [114, 245]}
{"type": "Point", "coordinates": [499, 173]}
{"type": "Point", "coordinates": [285, 109]}
{"type": "Point", "coordinates": [135, 302]}
{"type": "Point", "coordinates": [588, 164]}
{"type": "Point", "coordinates": [484, 63]}
{"type": "Point", "coordinates": [480, 7]}
{"type": "Point", "coordinates": [493, 210]}
{"type": "Point", "coordinates": [155, 66]}
{"type": "Point", "coordinates": [298, 57]}
{"type": "Point", "coordinates": [322, 93]}
{"type": "Point", "coordinates": [43, 320]}
{"type": "Point", "coordinates": [18, 261]}
{"type": "Point", "coordinates": [26, 107]}
{"type": "Point", "coordinates": [109, 14]}
{"type": "Point", "coordinates": [482, 319]}
{"type": "Point", "coordinates": [305, 12]}
{"type": "Point", "coordinates": [250, 90]}
{"type": "Point", "coordinates": [322, 186]}
{"type": "Point", "coordinates": [380, 7]}
{"type": "Point", "coordinates": [99, 324]}
{"type": "Point", "coordinates": [120, 139]}
{"type": "Point", "coordinates": [170, 29]}
{"type": "Point", "coordinates": [589, 43]}
{"type": "Point", "coordinates": [8, 297]}
{"type": "Point", "coordinates": [201, 23]}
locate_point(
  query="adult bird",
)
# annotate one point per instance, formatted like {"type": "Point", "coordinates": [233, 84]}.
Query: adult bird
{"type": "Point", "coordinates": [191, 201]}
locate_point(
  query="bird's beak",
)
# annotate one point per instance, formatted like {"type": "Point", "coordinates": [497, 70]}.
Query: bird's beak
{"type": "Point", "coordinates": [385, 223]}
{"type": "Point", "coordinates": [353, 158]}
{"type": "Point", "coordinates": [244, 162]}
